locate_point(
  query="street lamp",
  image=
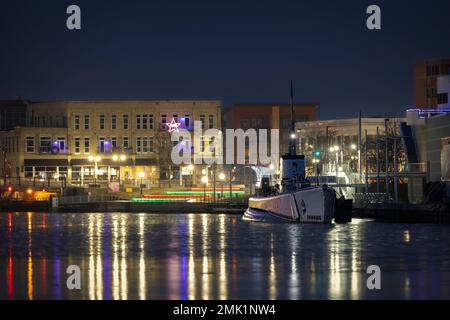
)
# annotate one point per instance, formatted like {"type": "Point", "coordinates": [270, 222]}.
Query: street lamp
{"type": "Point", "coordinates": [232, 171]}
{"type": "Point", "coordinates": [222, 178]}
{"type": "Point", "coordinates": [141, 175]}
{"type": "Point", "coordinates": [96, 160]}
{"type": "Point", "coordinates": [121, 158]}
{"type": "Point", "coordinates": [316, 168]}
{"type": "Point", "coordinates": [204, 181]}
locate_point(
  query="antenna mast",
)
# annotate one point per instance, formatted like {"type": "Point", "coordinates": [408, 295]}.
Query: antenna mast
{"type": "Point", "coordinates": [292, 131]}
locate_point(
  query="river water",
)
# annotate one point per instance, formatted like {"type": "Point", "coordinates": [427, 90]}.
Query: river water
{"type": "Point", "coordinates": [211, 256]}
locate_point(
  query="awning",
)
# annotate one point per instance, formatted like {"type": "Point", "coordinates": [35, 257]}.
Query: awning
{"type": "Point", "coordinates": [45, 162]}
{"type": "Point", "coordinates": [103, 162]}
{"type": "Point", "coordinates": [146, 162]}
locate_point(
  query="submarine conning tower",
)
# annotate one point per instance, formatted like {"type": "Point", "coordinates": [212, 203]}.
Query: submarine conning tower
{"type": "Point", "coordinates": [292, 171]}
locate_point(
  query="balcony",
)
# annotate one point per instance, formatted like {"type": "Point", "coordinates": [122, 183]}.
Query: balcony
{"type": "Point", "coordinates": [111, 150]}
{"type": "Point", "coordinates": [420, 167]}
{"type": "Point", "coordinates": [52, 150]}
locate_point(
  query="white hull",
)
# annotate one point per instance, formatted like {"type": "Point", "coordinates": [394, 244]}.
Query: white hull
{"type": "Point", "coordinates": [315, 204]}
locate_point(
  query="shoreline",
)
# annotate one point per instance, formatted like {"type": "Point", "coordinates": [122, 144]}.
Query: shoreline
{"type": "Point", "coordinates": [392, 213]}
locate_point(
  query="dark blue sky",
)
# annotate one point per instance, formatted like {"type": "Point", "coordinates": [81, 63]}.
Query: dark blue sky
{"type": "Point", "coordinates": [236, 51]}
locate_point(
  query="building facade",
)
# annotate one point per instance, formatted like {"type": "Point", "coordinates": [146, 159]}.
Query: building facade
{"type": "Point", "coordinates": [426, 74]}
{"type": "Point", "coordinates": [431, 130]}
{"type": "Point", "coordinates": [268, 116]}
{"type": "Point", "coordinates": [334, 144]}
{"type": "Point", "coordinates": [443, 91]}
{"type": "Point", "coordinates": [12, 113]}
{"type": "Point", "coordinates": [99, 142]}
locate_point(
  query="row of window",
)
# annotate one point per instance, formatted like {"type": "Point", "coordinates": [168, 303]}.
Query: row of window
{"type": "Point", "coordinates": [143, 145]}
{"type": "Point", "coordinates": [48, 121]}
{"type": "Point", "coordinates": [442, 98]}
{"type": "Point", "coordinates": [433, 70]}
{"type": "Point", "coordinates": [143, 121]}
{"type": "Point", "coordinates": [10, 144]}
{"type": "Point", "coordinates": [83, 145]}
{"type": "Point", "coordinates": [46, 145]}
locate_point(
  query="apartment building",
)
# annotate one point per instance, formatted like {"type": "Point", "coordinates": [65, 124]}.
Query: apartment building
{"type": "Point", "coordinates": [102, 141]}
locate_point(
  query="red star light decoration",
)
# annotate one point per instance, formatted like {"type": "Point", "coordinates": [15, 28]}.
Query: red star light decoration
{"type": "Point", "coordinates": [173, 125]}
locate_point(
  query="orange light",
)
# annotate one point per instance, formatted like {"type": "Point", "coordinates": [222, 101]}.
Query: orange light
{"type": "Point", "coordinates": [10, 189]}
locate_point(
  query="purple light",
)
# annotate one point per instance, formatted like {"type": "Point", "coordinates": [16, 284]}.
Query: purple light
{"type": "Point", "coordinates": [424, 113]}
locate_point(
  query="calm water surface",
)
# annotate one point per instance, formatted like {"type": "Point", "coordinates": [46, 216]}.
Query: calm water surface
{"type": "Point", "coordinates": [207, 256]}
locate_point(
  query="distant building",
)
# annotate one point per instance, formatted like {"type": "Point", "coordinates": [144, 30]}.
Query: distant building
{"type": "Point", "coordinates": [104, 141]}
{"type": "Point", "coordinates": [334, 143]}
{"type": "Point", "coordinates": [431, 131]}
{"type": "Point", "coordinates": [268, 116]}
{"type": "Point", "coordinates": [426, 74]}
{"type": "Point", "coordinates": [12, 113]}
{"type": "Point", "coordinates": [443, 91]}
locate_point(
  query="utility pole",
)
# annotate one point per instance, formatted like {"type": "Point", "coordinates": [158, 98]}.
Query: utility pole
{"type": "Point", "coordinates": [378, 160]}
{"type": "Point", "coordinates": [327, 149]}
{"type": "Point", "coordinates": [231, 176]}
{"type": "Point", "coordinates": [359, 144]}
{"type": "Point", "coordinates": [386, 142]}
{"type": "Point", "coordinates": [214, 174]}
{"type": "Point", "coordinates": [4, 166]}
{"type": "Point", "coordinates": [395, 171]}
{"type": "Point", "coordinates": [367, 166]}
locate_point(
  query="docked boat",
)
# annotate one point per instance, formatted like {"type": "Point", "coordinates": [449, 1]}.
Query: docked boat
{"type": "Point", "coordinates": [297, 200]}
{"type": "Point", "coordinates": [297, 203]}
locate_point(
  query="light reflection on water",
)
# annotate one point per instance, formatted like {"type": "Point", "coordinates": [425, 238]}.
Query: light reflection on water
{"type": "Point", "coordinates": [207, 256]}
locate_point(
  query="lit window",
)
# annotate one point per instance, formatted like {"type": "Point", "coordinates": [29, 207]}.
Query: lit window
{"type": "Point", "coordinates": [113, 121]}
{"type": "Point", "coordinates": [76, 122]}
{"type": "Point", "coordinates": [29, 144]}
{"type": "Point", "coordinates": [125, 121]}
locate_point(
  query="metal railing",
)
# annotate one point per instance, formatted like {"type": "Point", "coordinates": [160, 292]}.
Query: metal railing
{"type": "Point", "coordinates": [420, 167]}
{"type": "Point", "coordinates": [369, 197]}
{"type": "Point", "coordinates": [85, 199]}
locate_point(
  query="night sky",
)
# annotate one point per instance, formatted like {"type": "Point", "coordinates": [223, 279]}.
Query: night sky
{"type": "Point", "coordinates": [235, 51]}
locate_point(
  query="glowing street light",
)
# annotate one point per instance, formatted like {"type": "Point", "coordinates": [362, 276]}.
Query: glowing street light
{"type": "Point", "coordinates": [115, 157]}
{"type": "Point", "coordinates": [205, 182]}
{"type": "Point", "coordinates": [222, 178]}
{"type": "Point", "coordinates": [353, 146]}
{"type": "Point", "coordinates": [96, 160]}
{"type": "Point", "coordinates": [141, 175]}
{"type": "Point", "coordinates": [293, 135]}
